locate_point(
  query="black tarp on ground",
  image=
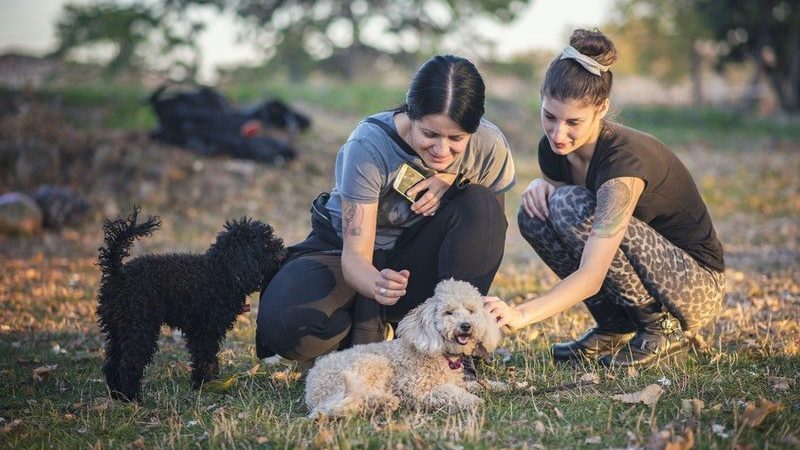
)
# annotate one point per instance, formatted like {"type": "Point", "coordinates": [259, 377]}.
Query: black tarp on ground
{"type": "Point", "coordinates": [202, 120]}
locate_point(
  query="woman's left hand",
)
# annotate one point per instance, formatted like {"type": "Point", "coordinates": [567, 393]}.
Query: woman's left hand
{"type": "Point", "coordinates": [437, 185]}
{"type": "Point", "coordinates": [505, 315]}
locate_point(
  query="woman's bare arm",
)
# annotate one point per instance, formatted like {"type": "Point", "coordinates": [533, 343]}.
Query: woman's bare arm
{"type": "Point", "coordinates": [359, 221]}
{"type": "Point", "coordinates": [616, 200]}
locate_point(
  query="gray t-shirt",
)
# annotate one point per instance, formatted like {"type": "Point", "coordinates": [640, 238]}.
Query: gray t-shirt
{"type": "Point", "coordinates": [369, 161]}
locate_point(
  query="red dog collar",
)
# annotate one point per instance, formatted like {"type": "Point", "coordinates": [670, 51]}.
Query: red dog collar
{"type": "Point", "coordinates": [453, 364]}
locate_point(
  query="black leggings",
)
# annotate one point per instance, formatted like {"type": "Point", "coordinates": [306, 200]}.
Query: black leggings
{"type": "Point", "coordinates": [308, 309]}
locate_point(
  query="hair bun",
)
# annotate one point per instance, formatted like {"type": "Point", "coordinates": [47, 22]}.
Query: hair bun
{"type": "Point", "coordinates": [594, 44]}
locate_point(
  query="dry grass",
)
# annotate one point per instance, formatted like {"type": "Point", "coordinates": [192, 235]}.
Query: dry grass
{"type": "Point", "coordinates": [52, 394]}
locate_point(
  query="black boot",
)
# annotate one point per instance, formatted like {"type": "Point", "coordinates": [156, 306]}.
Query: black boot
{"type": "Point", "coordinates": [658, 338]}
{"type": "Point", "coordinates": [614, 328]}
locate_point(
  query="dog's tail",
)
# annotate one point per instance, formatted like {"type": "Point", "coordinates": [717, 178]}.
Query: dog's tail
{"type": "Point", "coordinates": [119, 236]}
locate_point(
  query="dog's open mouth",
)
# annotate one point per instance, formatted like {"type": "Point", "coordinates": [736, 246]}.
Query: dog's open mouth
{"type": "Point", "coordinates": [463, 338]}
{"type": "Point", "coordinates": [245, 308]}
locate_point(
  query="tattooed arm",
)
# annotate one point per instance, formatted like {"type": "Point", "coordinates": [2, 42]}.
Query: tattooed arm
{"type": "Point", "coordinates": [616, 200]}
{"type": "Point", "coordinates": [359, 222]}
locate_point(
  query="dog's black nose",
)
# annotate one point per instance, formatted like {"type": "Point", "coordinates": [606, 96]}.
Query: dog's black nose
{"type": "Point", "coordinates": [465, 326]}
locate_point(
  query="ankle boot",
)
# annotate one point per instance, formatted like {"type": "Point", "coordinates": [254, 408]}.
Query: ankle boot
{"type": "Point", "coordinates": [658, 338]}
{"type": "Point", "coordinates": [614, 328]}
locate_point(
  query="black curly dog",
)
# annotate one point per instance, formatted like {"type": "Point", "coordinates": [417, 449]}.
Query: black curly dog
{"type": "Point", "coordinates": [198, 294]}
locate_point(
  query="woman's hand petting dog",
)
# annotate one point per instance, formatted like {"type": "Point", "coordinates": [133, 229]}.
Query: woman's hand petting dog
{"type": "Point", "coordinates": [507, 317]}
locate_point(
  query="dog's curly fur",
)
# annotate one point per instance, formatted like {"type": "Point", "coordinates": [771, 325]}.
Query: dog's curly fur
{"type": "Point", "coordinates": [200, 294]}
{"type": "Point", "coordinates": [420, 369]}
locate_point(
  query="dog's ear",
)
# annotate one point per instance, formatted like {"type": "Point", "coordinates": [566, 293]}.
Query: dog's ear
{"type": "Point", "coordinates": [491, 336]}
{"type": "Point", "coordinates": [419, 328]}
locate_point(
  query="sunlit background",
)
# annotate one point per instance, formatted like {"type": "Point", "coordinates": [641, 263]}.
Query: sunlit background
{"type": "Point", "coordinates": [683, 51]}
{"type": "Point", "coordinates": [29, 27]}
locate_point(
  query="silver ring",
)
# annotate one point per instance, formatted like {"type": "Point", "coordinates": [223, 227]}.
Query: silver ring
{"type": "Point", "coordinates": [382, 291]}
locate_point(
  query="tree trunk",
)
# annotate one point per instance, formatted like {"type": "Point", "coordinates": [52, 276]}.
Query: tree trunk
{"type": "Point", "coordinates": [696, 73]}
{"type": "Point", "coordinates": [753, 95]}
{"type": "Point", "coordinates": [793, 73]}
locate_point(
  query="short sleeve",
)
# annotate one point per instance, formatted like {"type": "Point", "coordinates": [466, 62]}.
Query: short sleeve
{"type": "Point", "coordinates": [549, 162]}
{"type": "Point", "coordinates": [617, 163]}
{"type": "Point", "coordinates": [359, 172]}
{"type": "Point", "coordinates": [499, 173]}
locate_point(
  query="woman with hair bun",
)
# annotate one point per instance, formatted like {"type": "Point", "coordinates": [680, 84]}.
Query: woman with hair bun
{"type": "Point", "coordinates": [618, 218]}
{"type": "Point", "coordinates": [380, 241]}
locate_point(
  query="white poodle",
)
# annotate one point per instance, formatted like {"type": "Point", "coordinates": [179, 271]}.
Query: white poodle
{"type": "Point", "coordinates": [419, 369]}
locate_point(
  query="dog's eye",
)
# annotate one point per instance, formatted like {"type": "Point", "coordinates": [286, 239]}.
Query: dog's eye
{"type": "Point", "coordinates": [471, 310]}
{"type": "Point", "coordinates": [448, 312]}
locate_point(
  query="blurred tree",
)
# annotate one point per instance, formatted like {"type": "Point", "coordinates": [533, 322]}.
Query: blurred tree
{"type": "Point", "coordinates": [135, 34]}
{"type": "Point", "coordinates": [665, 39]}
{"type": "Point", "coordinates": [766, 32]}
{"type": "Point", "coordinates": [350, 34]}
{"type": "Point", "coordinates": [671, 38]}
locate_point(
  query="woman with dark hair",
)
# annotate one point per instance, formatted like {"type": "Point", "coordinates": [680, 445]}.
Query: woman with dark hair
{"type": "Point", "coordinates": [618, 218]}
{"type": "Point", "coordinates": [379, 244]}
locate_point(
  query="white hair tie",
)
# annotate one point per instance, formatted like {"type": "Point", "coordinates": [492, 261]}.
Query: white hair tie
{"type": "Point", "coordinates": [587, 62]}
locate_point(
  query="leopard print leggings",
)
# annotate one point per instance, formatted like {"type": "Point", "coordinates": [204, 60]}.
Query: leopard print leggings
{"type": "Point", "coordinates": [646, 268]}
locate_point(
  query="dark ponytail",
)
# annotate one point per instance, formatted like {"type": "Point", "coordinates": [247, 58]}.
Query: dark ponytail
{"type": "Point", "coordinates": [566, 79]}
{"type": "Point", "coordinates": [448, 85]}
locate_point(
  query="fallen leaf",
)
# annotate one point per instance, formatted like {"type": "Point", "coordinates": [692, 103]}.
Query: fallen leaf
{"type": "Point", "coordinates": [261, 440]}
{"type": "Point", "coordinates": [753, 416]}
{"type": "Point", "coordinates": [558, 412]}
{"type": "Point", "coordinates": [649, 395]}
{"type": "Point", "coordinates": [719, 430]}
{"type": "Point", "coordinates": [253, 370]}
{"type": "Point", "coordinates": [286, 376]}
{"type": "Point", "coordinates": [221, 386]}
{"type": "Point", "coordinates": [692, 406]}
{"type": "Point", "coordinates": [590, 378]}
{"type": "Point", "coordinates": [138, 443]}
{"type": "Point", "coordinates": [40, 373]}
{"type": "Point", "coordinates": [70, 417]}
{"type": "Point", "coordinates": [633, 372]}
{"type": "Point", "coordinates": [593, 440]}
{"type": "Point", "coordinates": [781, 383]}
{"type": "Point", "coordinates": [669, 439]}
{"type": "Point", "coordinates": [539, 427]}
{"type": "Point", "coordinates": [11, 426]}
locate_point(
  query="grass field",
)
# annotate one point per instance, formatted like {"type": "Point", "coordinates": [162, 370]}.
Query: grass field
{"type": "Point", "coordinates": [738, 390]}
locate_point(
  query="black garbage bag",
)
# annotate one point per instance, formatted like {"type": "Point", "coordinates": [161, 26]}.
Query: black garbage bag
{"type": "Point", "coordinates": [203, 121]}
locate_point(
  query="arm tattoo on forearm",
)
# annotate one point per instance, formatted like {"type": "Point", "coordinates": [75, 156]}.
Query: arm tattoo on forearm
{"type": "Point", "coordinates": [613, 202]}
{"type": "Point", "coordinates": [352, 216]}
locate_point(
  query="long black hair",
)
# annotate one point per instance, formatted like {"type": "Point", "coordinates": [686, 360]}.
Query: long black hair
{"type": "Point", "coordinates": [450, 85]}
